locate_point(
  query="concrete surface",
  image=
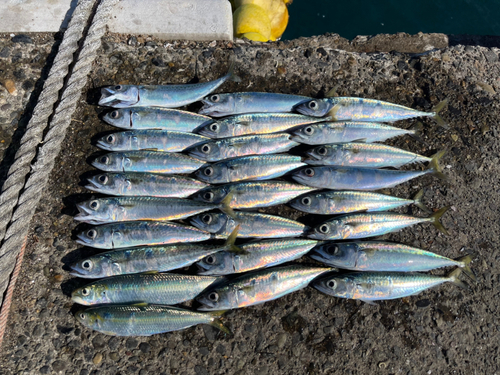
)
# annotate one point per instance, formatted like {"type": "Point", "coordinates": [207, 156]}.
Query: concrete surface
{"type": "Point", "coordinates": [165, 19]}
{"type": "Point", "coordinates": [441, 331]}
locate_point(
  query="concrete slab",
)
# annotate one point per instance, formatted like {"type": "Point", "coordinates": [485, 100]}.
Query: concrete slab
{"type": "Point", "coordinates": [165, 19]}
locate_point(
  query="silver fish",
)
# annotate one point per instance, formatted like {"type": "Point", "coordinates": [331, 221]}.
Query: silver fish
{"type": "Point", "coordinates": [147, 161]}
{"type": "Point", "coordinates": [258, 287]}
{"type": "Point", "coordinates": [166, 96]}
{"type": "Point", "coordinates": [250, 225]}
{"type": "Point", "coordinates": [255, 123]}
{"type": "Point", "coordinates": [334, 202]}
{"type": "Point", "coordinates": [140, 233]}
{"type": "Point", "coordinates": [155, 288]}
{"type": "Point", "coordinates": [348, 131]}
{"type": "Point", "coordinates": [219, 105]}
{"type": "Point", "coordinates": [242, 146]}
{"type": "Point", "coordinates": [371, 155]}
{"type": "Point", "coordinates": [256, 167]}
{"type": "Point", "coordinates": [356, 178]}
{"type": "Point", "coordinates": [260, 254]}
{"type": "Point", "coordinates": [144, 184]}
{"type": "Point", "coordinates": [144, 320]}
{"type": "Point", "coordinates": [155, 118]}
{"type": "Point", "coordinates": [253, 194]}
{"type": "Point", "coordinates": [116, 209]}
{"type": "Point", "coordinates": [157, 140]}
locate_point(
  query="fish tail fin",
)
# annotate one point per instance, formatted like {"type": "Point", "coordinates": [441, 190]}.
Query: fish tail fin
{"type": "Point", "coordinates": [417, 200]}
{"type": "Point", "coordinates": [231, 75]}
{"type": "Point", "coordinates": [225, 205]}
{"type": "Point", "coordinates": [417, 132]}
{"type": "Point", "coordinates": [453, 277]}
{"type": "Point", "coordinates": [435, 220]}
{"type": "Point", "coordinates": [216, 322]}
{"type": "Point", "coordinates": [434, 167]}
{"type": "Point", "coordinates": [466, 267]}
{"type": "Point", "coordinates": [438, 108]}
{"type": "Point", "coordinates": [232, 239]}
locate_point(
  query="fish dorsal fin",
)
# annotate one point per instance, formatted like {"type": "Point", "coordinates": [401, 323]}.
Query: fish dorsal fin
{"type": "Point", "coordinates": [149, 149]}
{"type": "Point", "coordinates": [361, 140]}
{"type": "Point", "coordinates": [152, 272]}
{"type": "Point", "coordinates": [140, 304]}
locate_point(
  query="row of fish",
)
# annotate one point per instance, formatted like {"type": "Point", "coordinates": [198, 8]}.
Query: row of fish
{"type": "Point", "coordinates": [243, 153]}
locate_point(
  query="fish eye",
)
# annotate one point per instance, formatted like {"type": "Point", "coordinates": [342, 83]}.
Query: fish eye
{"type": "Point", "coordinates": [87, 264]}
{"type": "Point", "coordinates": [103, 178]}
{"type": "Point", "coordinates": [92, 233]}
{"type": "Point", "coordinates": [103, 293]}
{"type": "Point", "coordinates": [312, 104]}
{"type": "Point", "coordinates": [215, 98]}
{"type": "Point", "coordinates": [324, 228]}
{"type": "Point", "coordinates": [207, 219]}
{"type": "Point", "coordinates": [208, 196]}
{"type": "Point", "coordinates": [111, 138]}
{"type": "Point", "coordinates": [104, 160]}
{"type": "Point", "coordinates": [85, 291]}
{"type": "Point", "coordinates": [309, 172]}
{"type": "Point", "coordinates": [118, 87]}
{"type": "Point", "coordinates": [82, 316]}
{"type": "Point", "coordinates": [309, 130]}
{"type": "Point", "coordinates": [205, 149]}
{"type": "Point", "coordinates": [306, 201]}
{"type": "Point", "coordinates": [332, 250]}
{"type": "Point", "coordinates": [213, 297]}
{"type": "Point", "coordinates": [331, 284]}
{"type": "Point", "coordinates": [210, 259]}
{"type": "Point", "coordinates": [114, 114]}
{"type": "Point", "coordinates": [214, 127]}
{"type": "Point", "coordinates": [208, 171]}
{"type": "Point", "coordinates": [94, 205]}
{"type": "Point", "coordinates": [321, 151]}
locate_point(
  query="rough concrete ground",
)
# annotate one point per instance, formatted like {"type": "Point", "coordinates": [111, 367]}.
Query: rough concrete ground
{"type": "Point", "coordinates": [444, 330]}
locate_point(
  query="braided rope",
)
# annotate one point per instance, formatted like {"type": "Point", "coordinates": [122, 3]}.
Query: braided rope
{"type": "Point", "coordinates": [17, 231]}
{"type": "Point", "coordinates": [43, 109]}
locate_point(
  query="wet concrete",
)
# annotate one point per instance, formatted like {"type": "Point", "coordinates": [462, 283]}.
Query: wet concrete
{"type": "Point", "coordinates": [444, 330]}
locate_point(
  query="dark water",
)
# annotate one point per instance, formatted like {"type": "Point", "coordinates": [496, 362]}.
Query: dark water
{"type": "Point", "coordinates": [370, 17]}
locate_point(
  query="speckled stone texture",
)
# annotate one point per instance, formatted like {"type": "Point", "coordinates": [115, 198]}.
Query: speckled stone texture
{"type": "Point", "coordinates": [444, 330]}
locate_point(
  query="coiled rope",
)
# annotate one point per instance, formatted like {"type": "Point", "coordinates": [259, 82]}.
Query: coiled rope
{"type": "Point", "coordinates": [14, 227]}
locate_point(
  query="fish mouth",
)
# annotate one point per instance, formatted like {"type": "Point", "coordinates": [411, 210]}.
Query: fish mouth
{"type": "Point", "coordinates": [317, 256]}
{"type": "Point", "coordinates": [107, 97]}
{"type": "Point", "coordinates": [83, 240]}
{"type": "Point", "coordinates": [79, 300]}
{"type": "Point", "coordinates": [93, 185]}
{"type": "Point", "coordinates": [77, 273]}
{"type": "Point", "coordinates": [104, 146]}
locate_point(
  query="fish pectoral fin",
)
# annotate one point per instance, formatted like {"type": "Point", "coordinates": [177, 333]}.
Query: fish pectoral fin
{"type": "Point", "coordinates": [249, 290]}
{"type": "Point", "coordinates": [369, 302]}
{"type": "Point", "coordinates": [244, 123]}
{"type": "Point", "coordinates": [140, 304]}
{"type": "Point", "coordinates": [369, 251]}
{"type": "Point", "coordinates": [153, 272]}
{"type": "Point", "coordinates": [361, 140]}
{"type": "Point", "coordinates": [332, 92]}
{"type": "Point", "coordinates": [149, 149]}
{"type": "Point", "coordinates": [334, 110]}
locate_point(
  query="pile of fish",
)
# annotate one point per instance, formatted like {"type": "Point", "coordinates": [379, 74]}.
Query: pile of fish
{"type": "Point", "coordinates": [212, 173]}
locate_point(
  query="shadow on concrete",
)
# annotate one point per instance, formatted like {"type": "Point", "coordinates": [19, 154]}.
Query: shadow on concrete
{"type": "Point", "coordinates": [474, 40]}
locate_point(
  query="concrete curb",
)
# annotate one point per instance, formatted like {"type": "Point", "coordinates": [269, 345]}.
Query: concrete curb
{"type": "Point", "coordinates": [165, 19]}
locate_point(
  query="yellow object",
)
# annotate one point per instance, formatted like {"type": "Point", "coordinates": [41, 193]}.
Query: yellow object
{"type": "Point", "coordinates": [250, 18]}
{"type": "Point", "coordinates": [262, 20]}
{"type": "Point", "coordinates": [254, 36]}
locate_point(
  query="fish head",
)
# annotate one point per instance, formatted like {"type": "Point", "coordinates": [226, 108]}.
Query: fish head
{"type": "Point", "coordinates": [334, 285]}
{"type": "Point", "coordinates": [109, 183]}
{"type": "Point", "coordinates": [92, 268]}
{"type": "Point", "coordinates": [110, 162]}
{"type": "Point", "coordinates": [315, 107]}
{"type": "Point", "coordinates": [97, 211]}
{"type": "Point", "coordinates": [213, 222]}
{"type": "Point", "coordinates": [216, 264]}
{"type": "Point", "coordinates": [91, 294]}
{"type": "Point", "coordinates": [213, 195]}
{"type": "Point", "coordinates": [218, 105]}
{"type": "Point", "coordinates": [89, 318]}
{"type": "Point", "coordinates": [332, 153]}
{"type": "Point", "coordinates": [309, 134]}
{"type": "Point", "coordinates": [329, 230]}
{"type": "Point", "coordinates": [213, 173]}
{"type": "Point", "coordinates": [119, 96]}
{"type": "Point", "coordinates": [342, 255]}
{"type": "Point", "coordinates": [220, 298]}
{"type": "Point", "coordinates": [308, 176]}
{"type": "Point", "coordinates": [208, 151]}
{"type": "Point", "coordinates": [216, 129]}
{"type": "Point", "coordinates": [117, 141]}
{"type": "Point", "coordinates": [121, 118]}
{"type": "Point", "coordinates": [96, 237]}
{"type": "Point", "coordinates": [306, 203]}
